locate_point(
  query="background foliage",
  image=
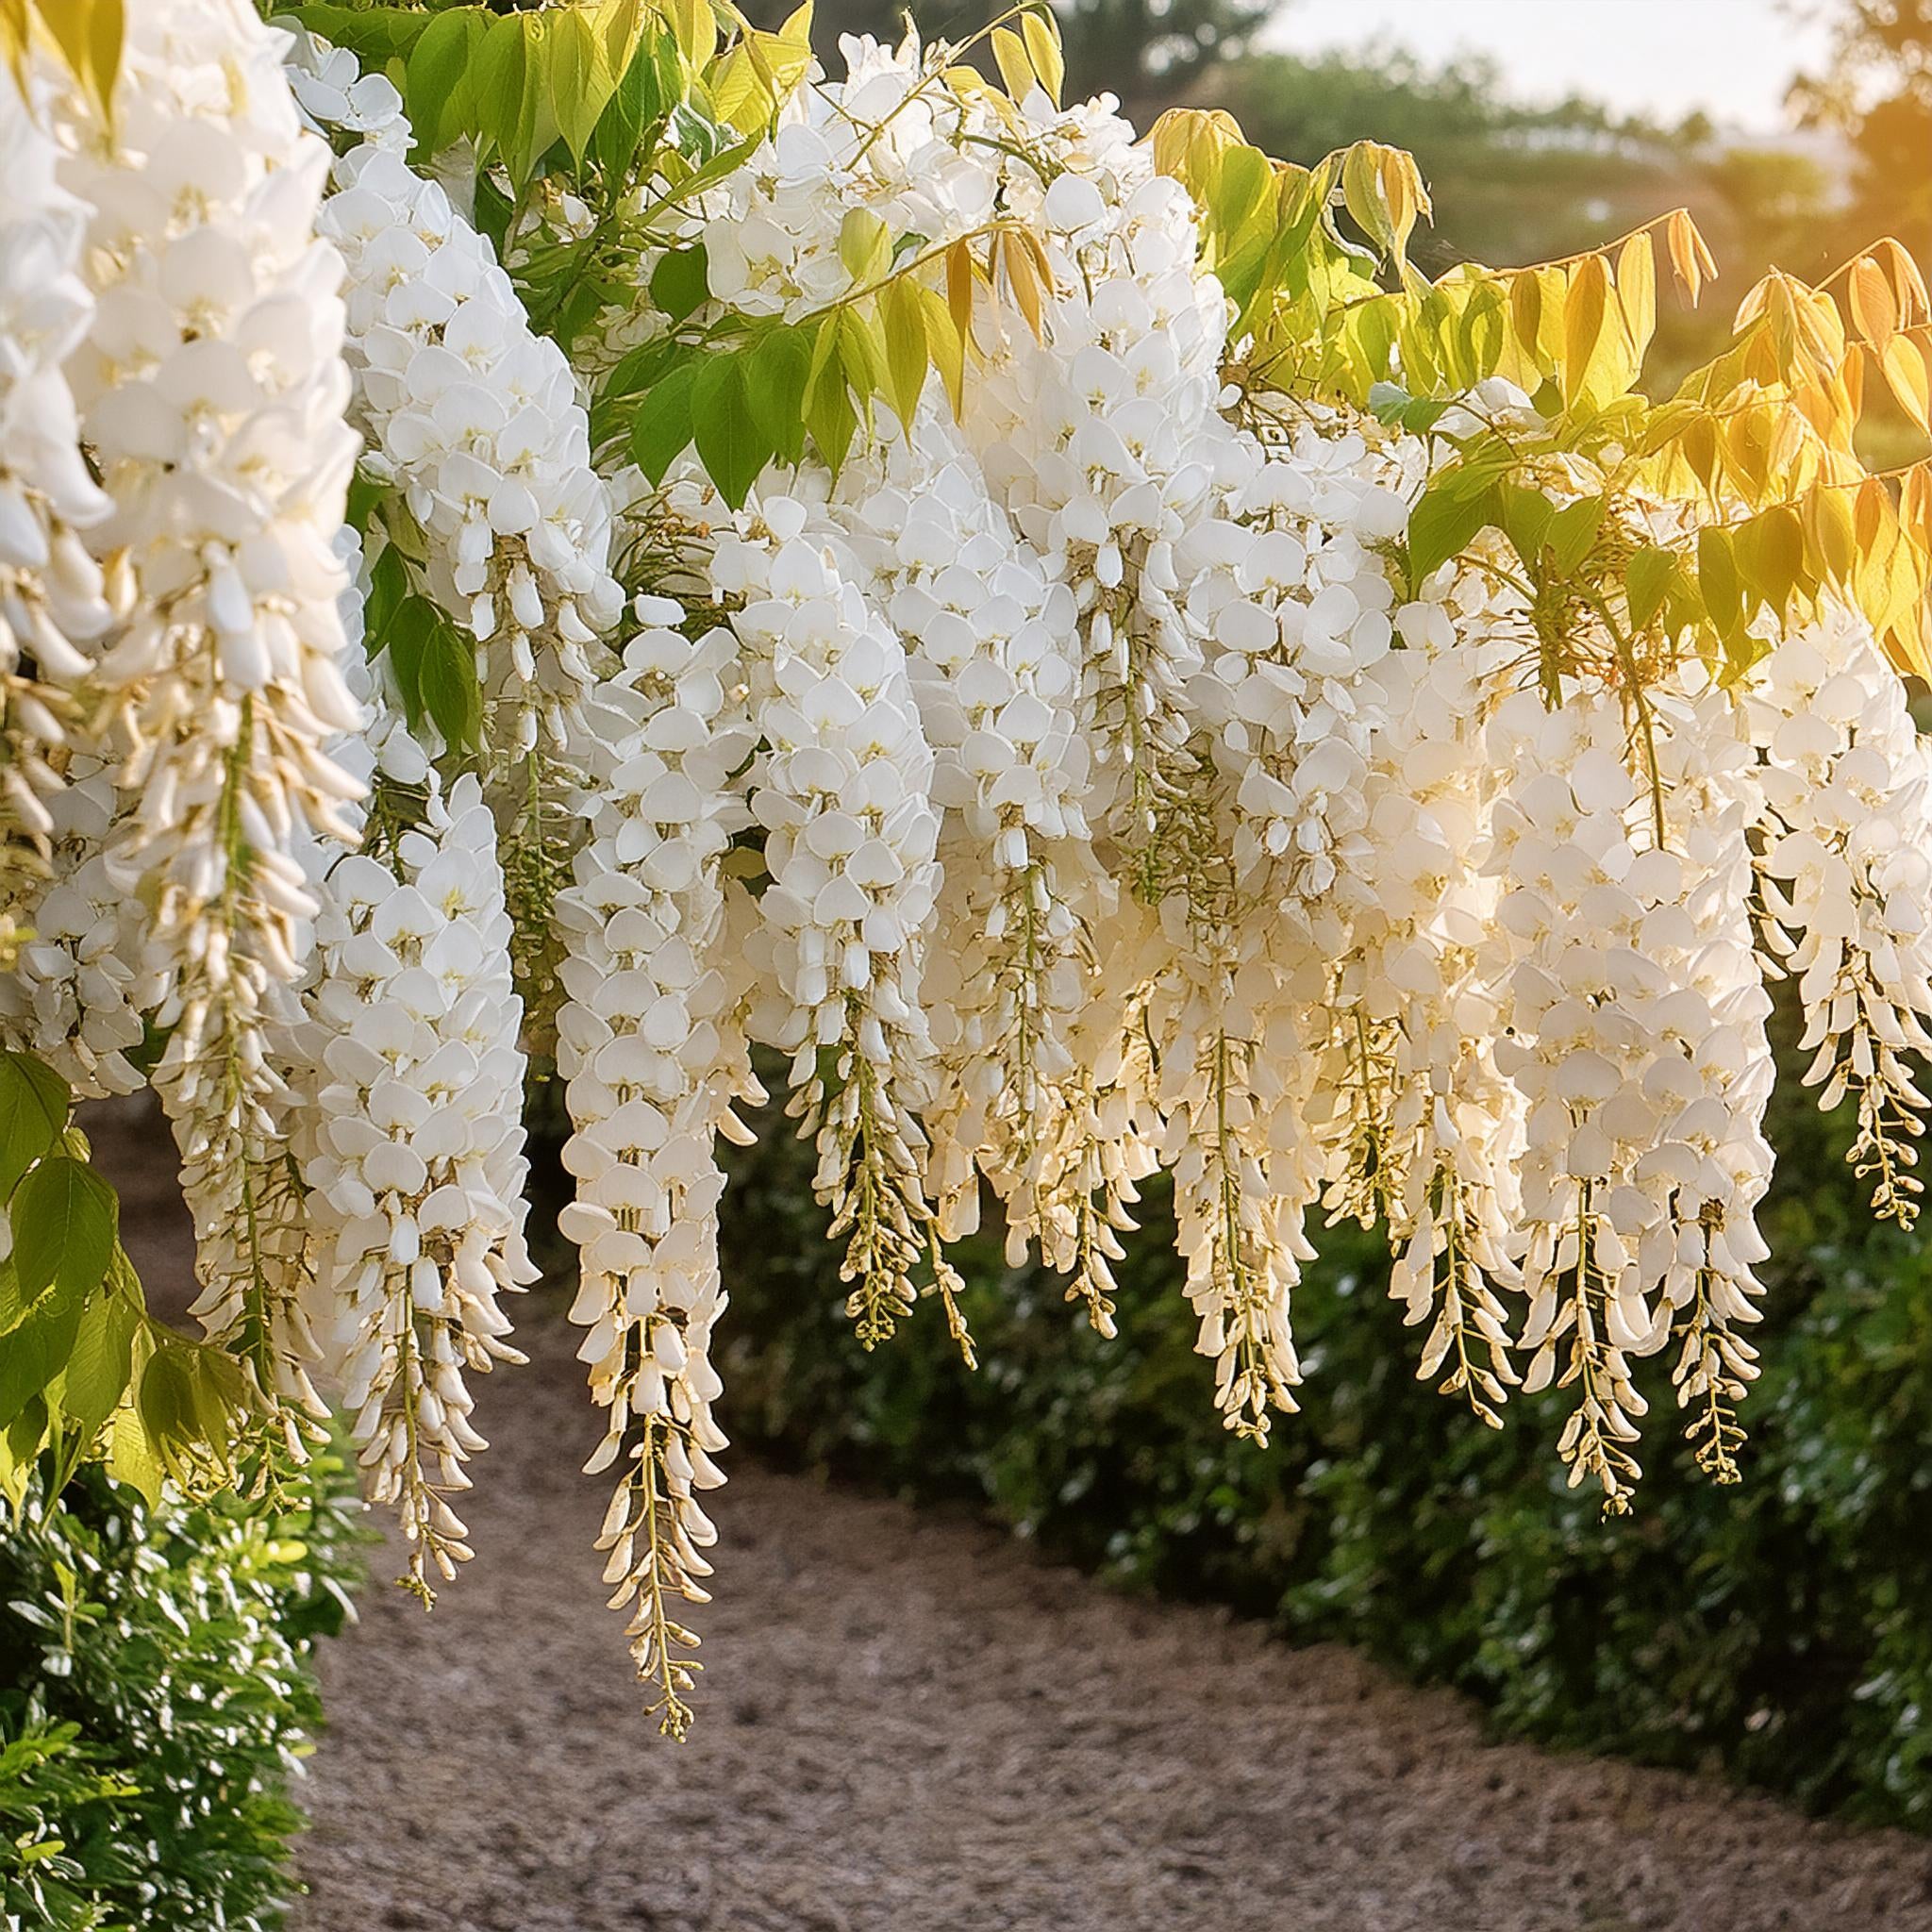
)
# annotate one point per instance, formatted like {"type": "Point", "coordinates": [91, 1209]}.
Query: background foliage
{"type": "Point", "coordinates": [156, 1694]}
{"type": "Point", "coordinates": [1775, 1629]}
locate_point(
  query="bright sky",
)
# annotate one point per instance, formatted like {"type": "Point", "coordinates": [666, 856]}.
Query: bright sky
{"type": "Point", "coordinates": [1732, 58]}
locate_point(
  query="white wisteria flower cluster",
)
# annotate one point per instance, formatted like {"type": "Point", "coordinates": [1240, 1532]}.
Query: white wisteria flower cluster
{"type": "Point", "coordinates": [1070, 776]}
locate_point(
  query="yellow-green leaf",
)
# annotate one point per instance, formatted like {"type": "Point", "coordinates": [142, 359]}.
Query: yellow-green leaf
{"type": "Point", "coordinates": [1042, 36]}
{"type": "Point", "coordinates": [1016, 70]}
{"type": "Point", "coordinates": [902, 320]}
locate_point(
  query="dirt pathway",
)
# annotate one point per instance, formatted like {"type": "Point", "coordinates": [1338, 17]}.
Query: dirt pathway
{"type": "Point", "coordinates": [910, 1724]}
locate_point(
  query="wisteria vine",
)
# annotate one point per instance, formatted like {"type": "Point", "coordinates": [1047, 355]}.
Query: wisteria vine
{"type": "Point", "coordinates": [828, 569]}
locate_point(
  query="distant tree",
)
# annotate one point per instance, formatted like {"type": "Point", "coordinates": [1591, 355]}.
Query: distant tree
{"type": "Point", "coordinates": [1512, 182]}
{"type": "Point", "coordinates": [1877, 87]}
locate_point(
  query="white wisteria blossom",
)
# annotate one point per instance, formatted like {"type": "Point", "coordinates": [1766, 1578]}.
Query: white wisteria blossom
{"type": "Point", "coordinates": [51, 601]}
{"type": "Point", "coordinates": [1021, 627]}
{"type": "Point", "coordinates": [414, 1168]}
{"type": "Point", "coordinates": [474, 422]}
{"type": "Point", "coordinates": [653, 1057]}
{"type": "Point", "coordinates": [211, 390]}
{"type": "Point", "coordinates": [1847, 881]}
{"type": "Point", "coordinates": [843, 793]}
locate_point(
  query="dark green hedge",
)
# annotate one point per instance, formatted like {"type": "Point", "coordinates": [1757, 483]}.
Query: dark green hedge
{"type": "Point", "coordinates": [155, 1696]}
{"type": "Point", "coordinates": [1782, 1629]}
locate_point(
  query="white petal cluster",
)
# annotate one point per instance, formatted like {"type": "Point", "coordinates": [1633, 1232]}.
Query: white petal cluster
{"type": "Point", "coordinates": [211, 390]}
{"type": "Point", "coordinates": [1102, 438]}
{"type": "Point", "coordinates": [1636, 1034]}
{"type": "Point", "coordinates": [52, 605]}
{"type": "Point", "coordinates": [474, 419]}
{"type": "Point", "coordinates": [993, 656]}
{"type": "Point", "coordinates": [475, 422]}
{"type": "Point", "coordinates": [1428, 1133]}
{"type": "Point", "coordinates": [414, 1164]}
{"type": "Point", "coordinates": [843, 792]}
{"type": "Point", "coordinates": [77, 990]}
{"type": "Point", "coordinates": [1295, 603]}
{"type": "Point", "coordinates": [1847, 883]}
{"type": "Point", "coordinates": [884, 141]}
{"type": "Point", "coordinates": [650, 1047]}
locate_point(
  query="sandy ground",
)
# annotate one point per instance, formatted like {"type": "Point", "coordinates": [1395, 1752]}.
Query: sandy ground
{"type": "Point", "coordinates": [910, 1724]}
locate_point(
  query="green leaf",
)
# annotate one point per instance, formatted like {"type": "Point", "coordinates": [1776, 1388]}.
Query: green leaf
{"type": "Point", "coordinates": [21, 1442]}
{"type": "Point", "coordinates": [1647, 581]}
{"type": "Point", "coordinates": [662, 427]}
{"type": "Point", "coordinates": [1525, 515]}
{"type": "Point", "coordinates": [641, 100]}
{"type": "Point", "coordinates": [776, 374]}
{"type": "Point", "coordinates": [1573, 530]}
{"type": "Point", "coordinates": [441, 73]}
{"type": "Point", "coordinates": [865, 246]}
{"type": "Point", "coordinates": [166, 1396]}
{"type": "Point", "coordinates": [1445, 522]}
{"type": "Point", "coordinates": [502, 74]}
{"type": "Point", "coordinates": [902, 319]}
{"type": "Point", "coordinates": [1386, 401]}
{"type": "Point", "coordinates": [14, 1305]}
{"type": "Point", "coordinates": [828, 412]}
{"type": "Point", "coordinates": [1244, 182]}
{"type": "Point", "coordinates": [1717, 577]}
{"type": "Point", "coordinates": [64, 1219]}
{"type": "Point", "coordinates": [132, 1456]}
{"type": "Point", "coordinates": [678, 283]}
{"type": "Point", "coordinates": [34, 1104]}
{"type": "Point", "coordinates": [447, 683]}
{"type": "Point", "coordinates": [389, 584]}
{"type": "Point", "coordinates": [581, 79]}
{"type": "Point", "coordinates": [376, 35]}
{"type": "Point", "coordinates": [406, 637]}
{"type": "Point", "coordinates": [731, 444]}
{"type": "Point", "coordinates": [103, 1355]}
{"type": "Point", "coordinates": [35, 1352]}
{"type": "Point", "coordinates": [366, 493]}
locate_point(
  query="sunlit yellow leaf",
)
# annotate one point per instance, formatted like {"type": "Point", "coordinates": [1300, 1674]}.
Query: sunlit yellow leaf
{"type": "Point", "coordinates": [1583, 323]}
{"type": "Point", "coordinates": [1875, 308]}
{"type": "Point", "coordinates": [944, 345]}
{"type": "Point", "coordinates": [1023, 282]}
{"type": "Point", "coordinates": [960, 275]}
{"type": "Point", "coordinates": [1637, 289]}
{"type": "Point", "coordinates": [1903, 361]}
{"type": "Point", "coordinates": [1042, 37]}
{"type": "Point", "coordinates": [1009, 54]}
{"type": "Point", "coordinates": [1690, 257]}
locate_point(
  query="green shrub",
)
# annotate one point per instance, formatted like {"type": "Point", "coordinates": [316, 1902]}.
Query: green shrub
{"type": "Point", "coordinates": [155, 1695]}
{"type": "Point", "coordinates": [1780, 1630]}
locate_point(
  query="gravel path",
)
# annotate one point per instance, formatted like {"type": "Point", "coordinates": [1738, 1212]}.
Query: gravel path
{"type": "Point", "coordinates": [911, 1724]}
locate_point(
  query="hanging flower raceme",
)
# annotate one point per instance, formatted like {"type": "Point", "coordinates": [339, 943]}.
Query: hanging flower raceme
{"type": "Point", "coordinates": [413, 1161]}
{"type": "Point", "coordinates": [1100, 436]}
{"type": "Point", "coordinates": [52, 605]}
{"type": "Point", "coordinates": [473, 421]}
{"type": "Point", "coordinates": [1635, 1018]}
{"type": "Point", "coordinates": [843, 793]}
{"type": "Point", "coordinates": [993, 659]}
{"type": "Point", "coordinates": [649, 1044]}
{"type": "Point", "coordinates": [211, 390]}
{"type": "Point", "coordinates": [1847, 882]}
{"type": "Point", "coordinates": [1423, 1132]}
